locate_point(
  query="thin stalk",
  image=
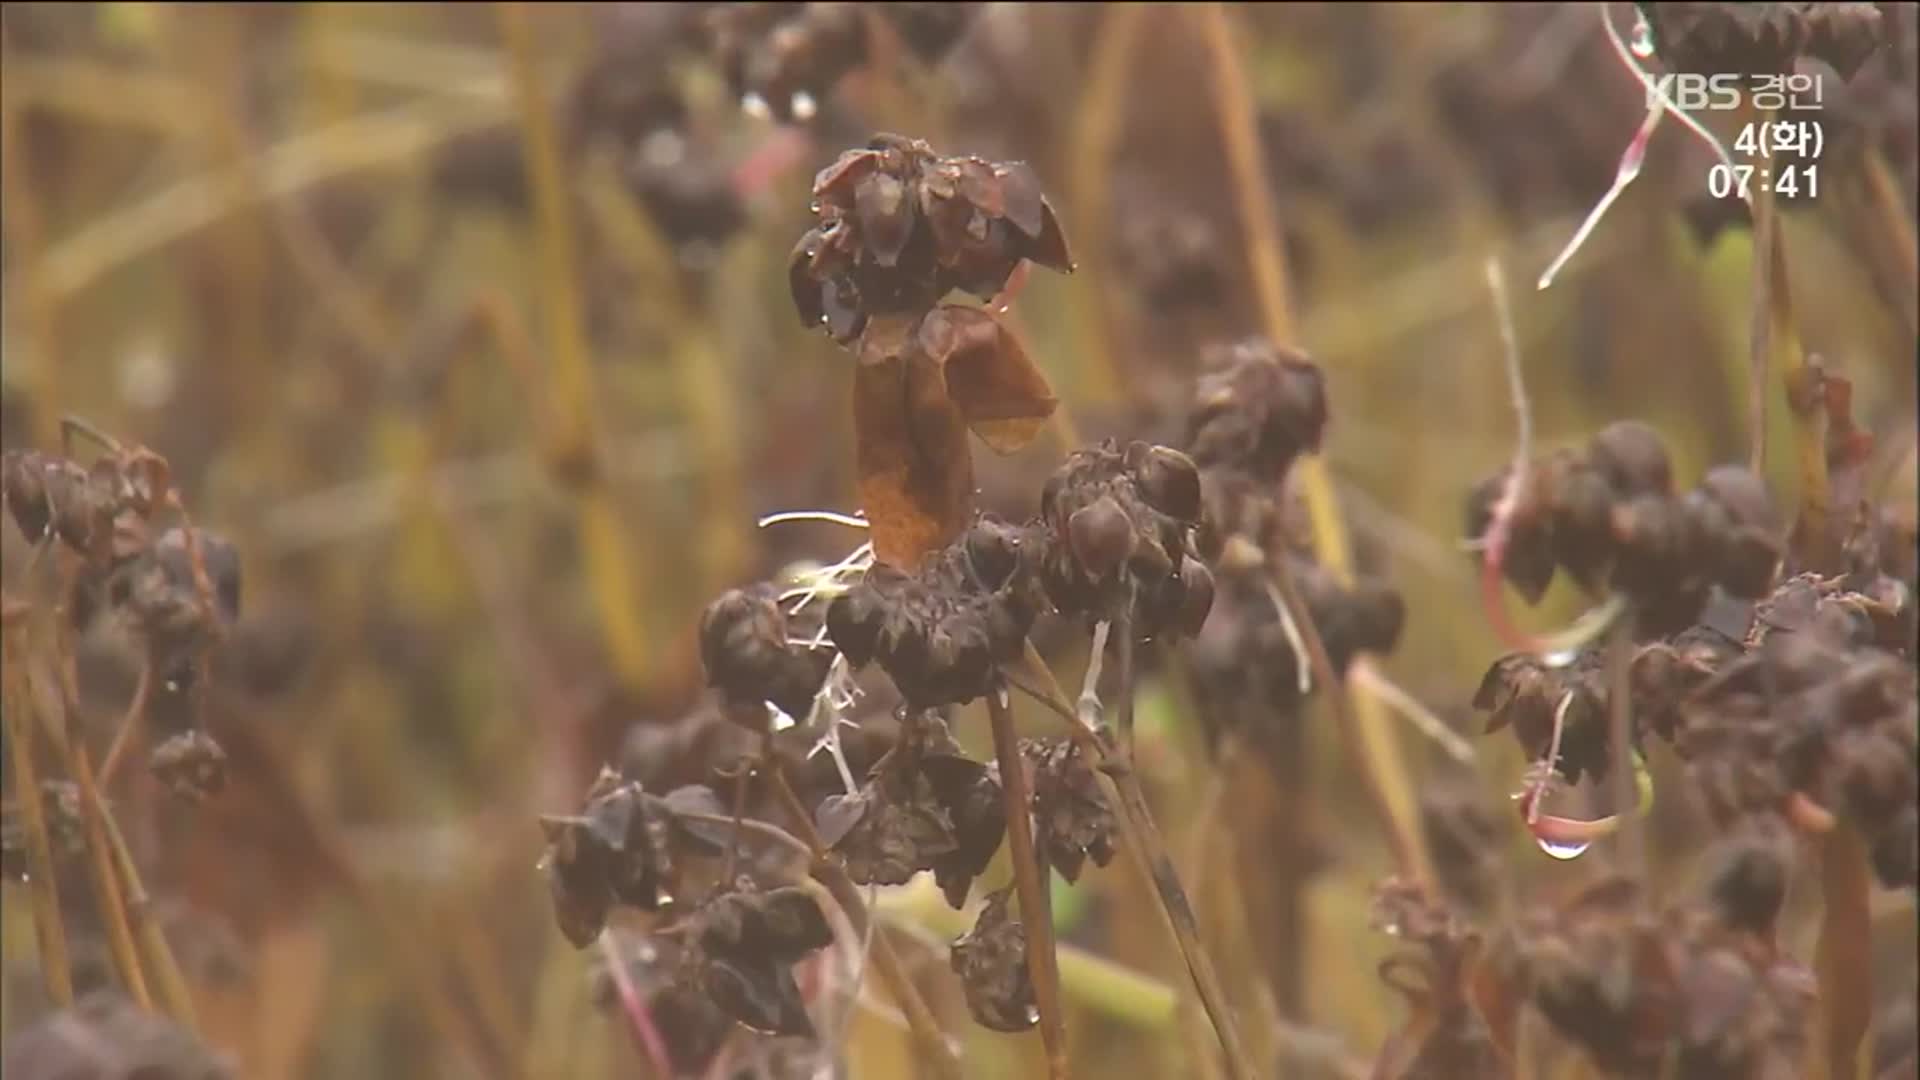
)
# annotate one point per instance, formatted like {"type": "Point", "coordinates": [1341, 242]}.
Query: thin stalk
{"type": "Point", "coordinates": [1844, 957]}
{"type": "Point", "coordinates": [42, 889]}
{"type": "Point", "coordinates": [1409, 850]}
{"type": "Point", "coordinates": [919, 1018]}
{"type": "Point", "coordinates": [174, 995]}
{"type": "Point", "coordinates": [1042, 962]}
{"type": "Point", "coordinates": [567, 423]}
{"type": "Point", "coordinates": [1120, 786]}
{"type": "Point", "coordinates": [1632, 854]}
{"type": "Point", "coordinates": [1373, 744]}
{"type": "Point", "coordinates": [646, 1036]}
{"type": "Point", "coordinates": [106, 884]}
{"type": "Point", "coordinates": [132, 725]}
{"type": "Point", "coordinates": [1760, 342]}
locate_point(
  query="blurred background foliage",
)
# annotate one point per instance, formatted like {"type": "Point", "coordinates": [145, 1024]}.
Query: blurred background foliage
{"type": "Point", "coordinates": [295, 249]}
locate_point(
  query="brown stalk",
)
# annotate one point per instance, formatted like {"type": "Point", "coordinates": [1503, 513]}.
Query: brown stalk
{"type": "Point", "coordinates": [174, 995]}
{"type": "Point", "coordinates": [1035, 917]}
{"type": "Point", "coordinates": [42, 889]}
{"type": "Point", "coordinates": [926, 1029]}
{"type": "Point", "coordinates": [132, 726]}
{"type": "Point", "coordinates": [1376, 751]}
{"type": "Point", "coordinates": [106, 884]}
{"type": "Point", "coordinates": [1844, 956]}
{"type": "Point", "coordinates": [1408, 850]}
{"type": "Point", "coordinates": [1120, 785]}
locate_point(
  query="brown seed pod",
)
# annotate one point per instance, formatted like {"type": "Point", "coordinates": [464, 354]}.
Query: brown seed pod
{"type": "Point", "coordinates": [191, 765]}
{"type": "Point", "coordinates": [616, 850]}
{"type": "Point", "coordinates": [991, 960]}
{"type": "Point", "coordinates": [750, 942]}
{"type": "Point", "coordinates": [940, 634]}
{"type": "Point", "coordinates": [1072, 821]}
{"type": "Point", "coordinates": [1111, 549]}
{"type": "Point", "coordinates": [1256, 407]}
{"type": "Point", "coordinates": [748, 656]}
{"type": "Point", "coordinates": [901, 227]}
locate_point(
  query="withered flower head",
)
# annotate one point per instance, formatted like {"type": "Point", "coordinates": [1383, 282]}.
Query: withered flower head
{"type": "Point", "coordinates": [1762, 38]}
{"type": "Point", "coordinates": [926, 806]}
{"type": "Point", "coordinates": [749, 656]}
{"type": "Point", "coordinates": [1072, 821]}
{"type": "Point", "coordinates": [991, 960]}
{"type": "Point", "coordinates": [1520, 691]}
{"type": "Point", "coordinates": [1608, 515]}
{"type": "Point", "coordinates": [1246, 648]}
{"type": "Point", "coordinates": [618, 850]}
{"type": "Point", "coordinates": [940, 633]}
{"type": "Point", "coordinates": [191, 764]}
{"type": "Point", "coordinates": [1256, 407]}
{"type": "Point", "coordinates": [749, 943]}
{"type": "Point", "coordinates": [1120, 531]}
{"type": "Point", "coordinates": [157, 588]}
{"type": "Point", "coordinates": [901, 227]}
{"type": "Point", "coordinates": [782, 59]}
{"type": "Point", "coordinates": [1635, 990]}
{"type": "Point", "coordinates": [66, 829]}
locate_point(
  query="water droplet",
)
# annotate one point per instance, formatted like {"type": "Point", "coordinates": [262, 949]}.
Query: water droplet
{"type": "Point", "coordinates": [803, 105]}
{"type": "Point", "coordinates": [781, 721]}
{"type": "Point", "coordinates": [1561, 658]}
{"type": "Point", "coordinates": [1642, 43]}
{"type": "Point", "coordinates": [1033, 1014]}
{"type": "Point", "coordinates": [755, 106]}
{"type": "Point", "coordinates": [1563, 850]}
{"type": "Point", "coordinates": [1392, 929]}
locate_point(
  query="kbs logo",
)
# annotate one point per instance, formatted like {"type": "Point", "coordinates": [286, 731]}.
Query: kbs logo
{"type": "Point", "coordinates": [1689, 91]}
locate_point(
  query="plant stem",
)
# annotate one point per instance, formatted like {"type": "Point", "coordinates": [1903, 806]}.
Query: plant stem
{"type": "Point", "coordinates": [1845, 953]}
{"type": "Point", "coordinates": [42, 887]}
{"type": "Point", "coordinates": [1376, 751]}
{"type": "Point", "coordinates": [1394, 802]}
{"type": "Point", "coordinates": [1631, 854]}
{"type": "Point", "coordinates": [828, 873]}
{"type": "Point", "coordinates": [1120, 786]}
{"type": "Point", "coordinates": [106, 885]}
{"type": "Point", "coordinates": [132, 725]}
{"type": "Point", "coordinates": [1895, 230]}
{"type": "Point", "coordinates": [1042, 962]}
{"type": "Point", "coordinates": [174, 995]}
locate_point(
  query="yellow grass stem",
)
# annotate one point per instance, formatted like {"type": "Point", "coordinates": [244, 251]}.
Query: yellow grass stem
{"type": "Point", "coordinates": [1373, 744]}
{"type": "Point", "coordinates": [568, 422]}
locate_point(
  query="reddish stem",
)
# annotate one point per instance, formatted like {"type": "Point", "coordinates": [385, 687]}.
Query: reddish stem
{"type": "Point", "coordinates": [645, 1035]}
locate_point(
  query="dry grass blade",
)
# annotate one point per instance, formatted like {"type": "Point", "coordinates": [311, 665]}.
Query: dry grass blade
{"type": "Point", "coordinates": [42, 887]}
{"type": "Point", "coordinates": [1845, 957]}
{"type": "Point", "coordinates": [1631, 853]}
{"type": "Point", "coordinates": [1042, 961]}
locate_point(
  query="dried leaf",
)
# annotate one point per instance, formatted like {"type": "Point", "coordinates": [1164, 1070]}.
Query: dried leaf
{"type": "Point", "coordinates": [1003, 395]}
{"type": "Point", "coordinates": [915, 474]}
